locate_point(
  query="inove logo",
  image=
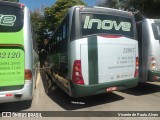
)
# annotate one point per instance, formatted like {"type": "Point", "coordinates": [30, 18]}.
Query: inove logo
{"type": "Point", "coordinates": [7, 20]}
{"type": "Point", "coordinates": [106, 24]}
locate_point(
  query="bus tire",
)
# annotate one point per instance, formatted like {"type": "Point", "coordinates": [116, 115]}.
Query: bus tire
{"type": "Point", "coordinates": [27, 103]}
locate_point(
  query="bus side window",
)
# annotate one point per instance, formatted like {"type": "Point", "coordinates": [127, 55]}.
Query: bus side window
{"type": "Point", "coordinates": [58, 48]}
{"type": "Point", "coordinates": [63, 56]}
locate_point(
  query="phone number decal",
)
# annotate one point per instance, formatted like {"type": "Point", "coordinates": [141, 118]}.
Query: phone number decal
{"type": "Point", "coordinates": [10, 55]}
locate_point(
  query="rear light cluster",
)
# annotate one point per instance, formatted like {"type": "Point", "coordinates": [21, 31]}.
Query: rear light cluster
{"type": "Point", "coordinates": [153, 66]}
{"type": "Point", "coordinates": [153, 62]}
{"type": "Point", "coordinates": [77, 73]}
{"type": "Point", "coordinates": [136, 71]}
{"type": "Point", "coordinates": [28, 74]}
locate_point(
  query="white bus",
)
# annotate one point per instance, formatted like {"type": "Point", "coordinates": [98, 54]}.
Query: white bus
{"type": "Point", "coordinates": [18, 54]}
{"type": "Point", "coordinates": [94, 50]}
{"type": "Point", "coordinates": [149, 49]}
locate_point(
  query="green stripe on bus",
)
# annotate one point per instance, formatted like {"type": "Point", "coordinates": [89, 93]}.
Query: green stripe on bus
{"type": "Point", "coordinates": [12, 38]}
{"type": "Point", "coordinates": [93, 60]}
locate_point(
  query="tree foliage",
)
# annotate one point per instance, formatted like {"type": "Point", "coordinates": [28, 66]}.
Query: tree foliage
{"type": "Point", "coordinates": [38, 24]}
{"type": "Point", "coordinates": [149, 8]}
{"type": "Point", "coordinates": [55, 14]}
{"type": "Point", "coordinates": [47, 19]}
{"type": "Point", "coordinates": [110, 3]}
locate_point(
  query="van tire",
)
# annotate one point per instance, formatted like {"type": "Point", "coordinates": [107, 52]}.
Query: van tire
{"type": "Point", "coordinates": [27, 103]}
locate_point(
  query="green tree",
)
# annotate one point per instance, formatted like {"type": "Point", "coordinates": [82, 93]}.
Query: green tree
{"type": "Point", "coordinates": [55, 14]}
{"type": "Point", "coordinates": [149, 8]}
{"type": "Point", "coordinates": [46, 20]}
{"type": "Point", "coordinates": [110, 3]}
{"type": "Point", "coordinates": [38, 24]}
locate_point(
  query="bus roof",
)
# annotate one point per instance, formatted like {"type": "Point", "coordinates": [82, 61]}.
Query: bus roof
{"type": "Point", "coordinates": [11, 4]}
{"type": "Point", "coordinates": [106, 8]}
{"type": "Point", "coordinates": [103, 10]}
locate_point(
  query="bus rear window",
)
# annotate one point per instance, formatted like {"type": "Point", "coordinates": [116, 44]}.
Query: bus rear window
{"type": "Point", "coordinates": [156, 30]}
{"type": "Point", "coordinates": [100, 24]}
{"type": "Point", "coordinates": [11, 19]}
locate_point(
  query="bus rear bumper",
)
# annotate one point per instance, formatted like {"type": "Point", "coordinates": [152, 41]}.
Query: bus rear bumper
{"type": "Point", "coordinates": [88, 90]}
{"type": "Point", "coordinates": [153, 76]}
{"type": "Point", "coordinates": [17, 95]}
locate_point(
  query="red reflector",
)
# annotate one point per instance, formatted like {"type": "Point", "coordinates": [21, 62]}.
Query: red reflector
{"type": "Point", "coordinates": [136, 73]}
{"type": "Point", "coordinates": [21, 5]}
{"type": "Point", "coordinates": [136, 70]}
{"type": "Point", "coordinates": [8, 95]}
{"type": "Point", "coordinates": [28, 74]}
{"type": "Point", "coordinates": [110, 89]}
{"type": "Point", "coordinates": [155, 78]}
{"type": "Point", "coordinates": [111, 36]}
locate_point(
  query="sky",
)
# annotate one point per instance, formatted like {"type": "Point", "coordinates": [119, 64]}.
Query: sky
{"type": "Point", "coordinates": [34, 4]}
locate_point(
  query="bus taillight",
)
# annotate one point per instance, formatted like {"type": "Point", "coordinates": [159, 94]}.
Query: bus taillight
{"type": "Point", "coordinates": [136, 71]}
{"type": "Point", "coordinates": [28, 74]}
{"type": "Point", "coordinates": [153, 62]}
{"type": "Point", "coordinates": [77, 73]}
